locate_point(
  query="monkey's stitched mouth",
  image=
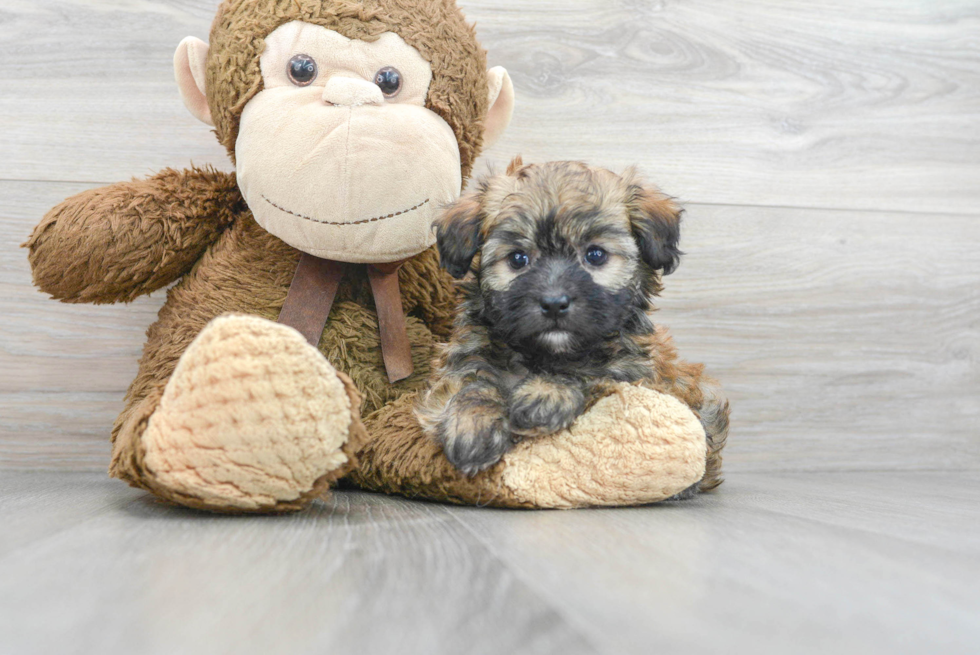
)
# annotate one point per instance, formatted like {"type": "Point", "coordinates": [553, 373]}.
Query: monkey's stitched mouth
{"type": "Point", "coordinates": [339, 223]}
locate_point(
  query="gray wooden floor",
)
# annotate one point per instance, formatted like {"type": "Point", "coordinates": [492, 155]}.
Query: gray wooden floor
{"type": "Point", "coordinates": [777, 563]}
{"type": "Point", "coordinates": [828, 154]}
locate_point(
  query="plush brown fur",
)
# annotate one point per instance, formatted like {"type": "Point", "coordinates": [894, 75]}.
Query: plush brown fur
{"type": "Point", "coordinates": [515, 369]}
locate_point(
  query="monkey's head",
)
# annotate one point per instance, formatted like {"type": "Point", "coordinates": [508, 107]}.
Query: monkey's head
{"type": "Point", "coordinates": [350, 121]}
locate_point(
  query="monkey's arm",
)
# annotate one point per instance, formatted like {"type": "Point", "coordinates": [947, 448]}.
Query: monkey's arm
{"type": "Point", "coordinates": [118, 242]}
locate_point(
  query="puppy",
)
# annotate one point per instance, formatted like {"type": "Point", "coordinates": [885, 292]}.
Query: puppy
{"type": "Point", "coordinates": [564, 260]}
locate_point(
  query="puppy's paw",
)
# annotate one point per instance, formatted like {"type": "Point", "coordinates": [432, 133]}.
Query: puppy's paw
{"type": "Point", "coordinates": [472, 452]}
{"type": "Point", "coordinates": [474, 433]}
{"type": "Point", "coordinates": [541, 405]}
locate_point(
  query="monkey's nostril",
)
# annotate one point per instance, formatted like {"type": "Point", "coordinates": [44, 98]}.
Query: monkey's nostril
{"type": "Point", "coordinates": [555, 306]}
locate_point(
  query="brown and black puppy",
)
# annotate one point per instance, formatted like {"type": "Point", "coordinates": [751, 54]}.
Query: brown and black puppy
{"type": "Point", "coordinates": [565, 259]}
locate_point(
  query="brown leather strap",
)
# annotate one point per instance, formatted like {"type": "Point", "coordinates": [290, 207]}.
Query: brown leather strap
{"type": "Point", "coordinates": [313, 290]}
{"type": "Point", "coordinates": [395, 347]}
{"type": "Point", "coordinates": [311, 294]}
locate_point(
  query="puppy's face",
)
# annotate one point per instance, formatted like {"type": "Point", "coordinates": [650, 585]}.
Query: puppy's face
{"type": "Point", "coordinates": [564, 254]}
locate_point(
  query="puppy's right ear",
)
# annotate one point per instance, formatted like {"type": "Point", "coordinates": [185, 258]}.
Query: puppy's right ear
{"type": "Point", "coordinates": [459, 236]}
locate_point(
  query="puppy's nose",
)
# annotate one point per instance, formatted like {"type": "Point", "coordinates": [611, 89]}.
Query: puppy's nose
{"type": "Point", "coordinates": [555, 306]}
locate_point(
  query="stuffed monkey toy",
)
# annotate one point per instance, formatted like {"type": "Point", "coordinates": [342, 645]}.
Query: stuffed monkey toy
{"type": "Point", "coordinates": [309, 296]}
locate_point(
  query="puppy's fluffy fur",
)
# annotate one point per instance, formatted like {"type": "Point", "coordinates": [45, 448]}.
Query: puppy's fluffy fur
{"type": "Point", "coordinates": [565, 259]}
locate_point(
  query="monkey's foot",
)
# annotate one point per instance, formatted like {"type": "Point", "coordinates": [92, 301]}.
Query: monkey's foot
{"type": "Point", "coordinates": [253, 419]}
{"type": "Point", "coordinates": [632, 447]}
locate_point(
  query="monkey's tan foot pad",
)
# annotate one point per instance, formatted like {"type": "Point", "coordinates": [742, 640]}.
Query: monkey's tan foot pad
{"type": "Point", "coordinates": [253, 419]}
{"type": "Point", "coordinates": [633, 447]}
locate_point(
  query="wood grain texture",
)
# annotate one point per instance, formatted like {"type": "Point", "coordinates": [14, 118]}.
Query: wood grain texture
{"type": "Point", "coordinates": [846, 340]}
{"type": "Point", "coordinates": [869, 104]}
{"type": "Point", "coordinates": [108, 108]}
{"type": "Point", "coordinates": [803, 563]}
{"type": "Point", "coordinates": [360, 574]}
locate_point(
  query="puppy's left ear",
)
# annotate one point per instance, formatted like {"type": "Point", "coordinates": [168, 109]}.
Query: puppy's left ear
{"type": "Point", "coordinates": [656, 223]}
{"type": "Point", "coordinates": [458, 233]}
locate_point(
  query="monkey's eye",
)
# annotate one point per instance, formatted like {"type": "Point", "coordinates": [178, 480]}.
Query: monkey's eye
{"type": "Point", "coordinates": [596, 256]}
{"type": "Point", "coordinates": [389, 80]}
{"type": "Point", "coordinates": [518, 260]}
{"type": "Point", "coordinates": [301, 70]}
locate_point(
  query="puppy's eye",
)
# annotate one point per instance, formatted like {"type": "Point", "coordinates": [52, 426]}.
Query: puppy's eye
{"type": "Point", "coordinates": [596, 256]}
{"type": "Point", "coordinates": [389, 80]}
{"type": "Point", "coordinates": [518, 260]}
{"type": "Point", "coordinates": [301, 70]}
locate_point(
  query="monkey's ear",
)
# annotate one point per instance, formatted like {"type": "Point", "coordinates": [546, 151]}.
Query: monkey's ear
{"type": "Point", "coordinates": [458, 234]}
{"type": "Point", "coordinates": [190, 63]}
{"type": "Point", "coordinates": [501, 93]}
{"type": "Point", "coordinates": [656, 223]}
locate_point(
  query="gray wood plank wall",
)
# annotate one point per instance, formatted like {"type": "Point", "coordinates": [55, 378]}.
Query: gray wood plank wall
{"type": "Point", "coordinates": [828, 154]}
